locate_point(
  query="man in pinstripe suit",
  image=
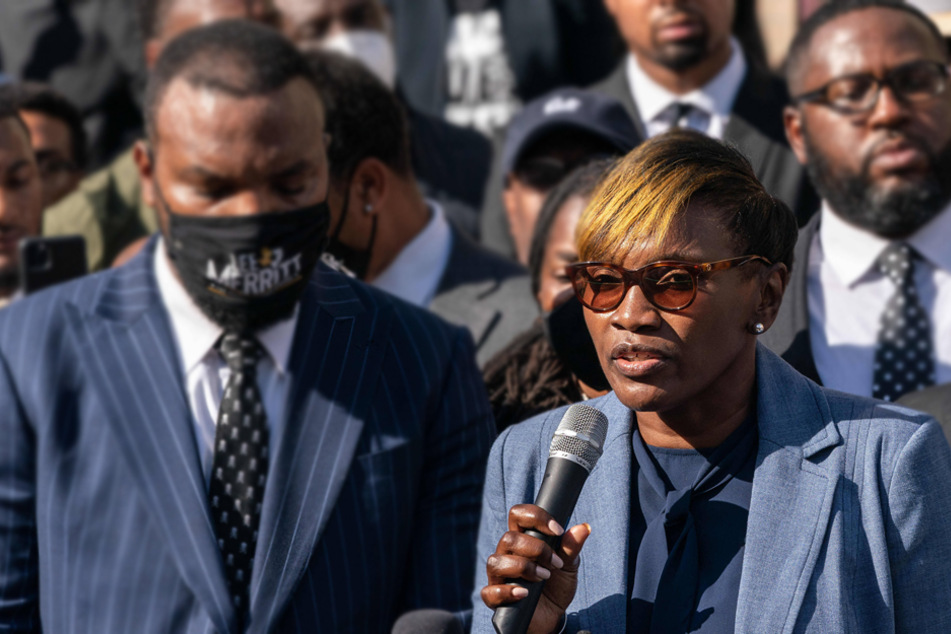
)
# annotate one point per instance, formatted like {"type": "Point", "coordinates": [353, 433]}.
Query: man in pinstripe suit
{"type": "Point", "coordinates": [377, 422]}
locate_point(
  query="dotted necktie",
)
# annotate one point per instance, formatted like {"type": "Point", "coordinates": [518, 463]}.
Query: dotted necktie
{"type": "Point", "coordinates": [240, 465]}
{"type": "Point", "coordinates": [904, 360]}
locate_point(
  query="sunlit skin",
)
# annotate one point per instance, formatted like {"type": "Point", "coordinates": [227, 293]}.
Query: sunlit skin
{"type": "Point", "coordinates": [219, 155]}
{"type": "Point", "coordinates": [308, 23]}
{"type": "Point", "coordinates": [892, 141]}
{"type": "Point", "coordinates": [184, 15]}
{"type": "Point", "coordinates": [659, 31]}
{"type": "Point", "coordinates": [53, 148]}
{"type": "Point", "coordinates": [688, 375]}
{"type": "Point", "coordinates": [21, 203]}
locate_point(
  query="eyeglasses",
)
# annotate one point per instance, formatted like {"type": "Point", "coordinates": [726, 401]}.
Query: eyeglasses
{"type": "Point", "coordinates": [668, 285]}
{"type": "Point", "coordinates": [858, 94]}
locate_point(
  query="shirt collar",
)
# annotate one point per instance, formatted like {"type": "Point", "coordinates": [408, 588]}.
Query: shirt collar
{"type": "Point", "coordinates": [415, 273]}
{"type": "Point", "coordinates": [197, 334]}
{"type": "Point", "coordinates": [716, 97]}
{"type": "Point", "coordinates": [851, 252]}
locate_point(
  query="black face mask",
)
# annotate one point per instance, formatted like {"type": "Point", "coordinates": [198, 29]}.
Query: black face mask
{"type": "Point", "coordinates": [247, 272]}
{"type": "Point", "coordinates": [357, 261]}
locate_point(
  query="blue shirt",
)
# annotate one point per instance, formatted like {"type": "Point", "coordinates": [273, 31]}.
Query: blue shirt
{"type": "Point", "coordinates": [718, 509]}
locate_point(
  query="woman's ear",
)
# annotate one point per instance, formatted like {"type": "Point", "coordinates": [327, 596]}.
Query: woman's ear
{"type": "Point", "coordinates": [771, 295]}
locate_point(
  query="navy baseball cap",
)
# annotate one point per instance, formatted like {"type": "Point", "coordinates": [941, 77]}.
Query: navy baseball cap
{"type": "Point", "coordinates": [599, 115]}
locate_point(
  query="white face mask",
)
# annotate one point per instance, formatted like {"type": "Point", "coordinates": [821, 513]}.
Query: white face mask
{"type": "Point", "coordinates": [371, 48]}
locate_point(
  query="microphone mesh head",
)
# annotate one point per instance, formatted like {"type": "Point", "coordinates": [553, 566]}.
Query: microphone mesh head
{"type": "Point", "coordinates": [580, 436]}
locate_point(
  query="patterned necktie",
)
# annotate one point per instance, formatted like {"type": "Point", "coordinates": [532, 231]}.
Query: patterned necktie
{"type": "Point", "coordinates": [240, 465]}
{"type": "Point", "coordinates": [681, 113]}
{"type": "Point", "coordinates": [904, 360]}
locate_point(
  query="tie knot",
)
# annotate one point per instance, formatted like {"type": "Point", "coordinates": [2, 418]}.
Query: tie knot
{"type": "Point", "coordinates": [896, 262]}
{"type": "Point", "coordinates": [239, 351]}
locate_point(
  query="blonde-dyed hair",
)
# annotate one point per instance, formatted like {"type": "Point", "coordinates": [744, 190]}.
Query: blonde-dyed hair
{"type": "Point", "coordinates": [645, 195]}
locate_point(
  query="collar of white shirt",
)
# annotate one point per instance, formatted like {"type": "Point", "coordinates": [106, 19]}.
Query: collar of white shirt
{"type": "Point", "coordinates": [715, 98]}
{"type": "Point", "coordinates": [196, 333]}
{"type": "Point", "coordinates": [851, 252]}
{"type": "Point", "coordinates": [415, 273]}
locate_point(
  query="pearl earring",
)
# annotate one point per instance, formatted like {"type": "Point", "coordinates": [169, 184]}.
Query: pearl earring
{"type": "Point", "coordinates": [759, 328]}
{"type": "Point", "coordinates": [368, 209]}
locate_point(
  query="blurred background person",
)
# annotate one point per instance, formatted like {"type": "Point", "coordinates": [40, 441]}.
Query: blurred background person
{"type": "Point", "coordinates": [21, 195]}
{"type": "Point", "coordinates": [89, 52]}
{"type": "Point", "coordinates": [868, 309]}
{"type": "Point", "coordinates": [544, 142]}
{"type": "Point", "coordinates": [107, 210]}
{"type": "Point", "coordinates": [529, 377]}
{"type": "Point", "coordinates": [386, 233]}
{"type": "Point", "coordinates": [687, 67]}
{"type": "Point", "coordinates": [451, 162]}
{"type": "Point", "coordinates": [476, 61]}
{"type": "Point", "coordinates": [724, 471]}
{"type": "Point", "coordinates": [57, 135]}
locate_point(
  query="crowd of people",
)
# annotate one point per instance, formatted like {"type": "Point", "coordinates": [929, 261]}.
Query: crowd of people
{"type": "Point", "coordinates": [349, 262]}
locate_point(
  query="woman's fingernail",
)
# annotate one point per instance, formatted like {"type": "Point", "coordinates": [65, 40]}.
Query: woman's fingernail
{"type": "Point", "coordinates": [588, 526]}
{"type": "Point", "coordinates": [542, 573]}
{"type": "Point", "coordinates": [519, 592]}
{"type": "Point", "coordinates": [555, 527]}
{"type": "Point", "coordinates": [556, 561]}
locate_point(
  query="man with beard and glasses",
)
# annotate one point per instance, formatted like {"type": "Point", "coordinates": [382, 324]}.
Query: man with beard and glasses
{"type": "Point", "coordinates": [222, 434]}
{"type": "Point", "coordinates": [868, 310]}
{"type": "Point", "coordinates": [685, 69]}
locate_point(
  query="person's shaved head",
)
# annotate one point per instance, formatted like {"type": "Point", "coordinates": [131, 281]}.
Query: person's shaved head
{"type": "Point", "coordinates": [234, 57]}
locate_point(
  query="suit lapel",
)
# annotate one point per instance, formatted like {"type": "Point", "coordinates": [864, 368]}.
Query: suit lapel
{"type": "Point", "coordinates": [616, 85]}
{"type": "Point", "coordinates": [335, 363]}
{"type": "Point", "coordinates": [134, 369]}
{"type": "Point", "coordinates": [607, 507]}
{"type": "Point", "coordinates": [792, 498]}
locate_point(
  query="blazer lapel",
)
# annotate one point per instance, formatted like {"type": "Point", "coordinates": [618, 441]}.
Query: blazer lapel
{"type": "Point", "coordinates": [792, 498]}
{"type": "Point", "coordinates": [134, 368]}
{"type": "Point", "coordinates": [335, 363]}
{"type": "Point", "coordinates": [607, 507]}
{"type": "Point", "coordinates": [457, 295]}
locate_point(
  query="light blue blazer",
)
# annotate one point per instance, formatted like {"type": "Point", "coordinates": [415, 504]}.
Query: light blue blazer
{"type": "Point", "coordinates": [849, 526]}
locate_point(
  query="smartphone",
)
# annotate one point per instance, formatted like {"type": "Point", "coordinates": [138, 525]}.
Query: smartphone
{"type": "Point", "coordinates": [48, 261]}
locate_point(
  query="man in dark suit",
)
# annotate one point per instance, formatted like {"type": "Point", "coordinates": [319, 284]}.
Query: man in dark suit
{"type": "Point", "coordinates": [222, 435]}
{"type": "Point", "coordinates": [868, 307]}
{"type": "Point", "coordinates": [684, 69]}
{"type": "Point", "coordinates": [385, 232]}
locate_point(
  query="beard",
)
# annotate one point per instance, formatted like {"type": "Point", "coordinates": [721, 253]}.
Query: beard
{"type": "Point", "coordinates": [890, 213]}
{"type": "Point", "coordinates": [679, 56]}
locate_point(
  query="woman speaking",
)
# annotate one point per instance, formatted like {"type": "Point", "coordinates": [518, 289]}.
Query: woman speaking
{"type": "Point", "coordinates": [733, 494]}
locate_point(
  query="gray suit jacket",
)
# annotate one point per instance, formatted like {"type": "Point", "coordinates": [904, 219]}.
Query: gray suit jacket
{"type": "Point", "coordinates": [489, 295]}
{"type": "Point", "coordinates": [789, 334]}
{"type": "Point", "coordinates": [849, 526]}
{"type": "Point", "coordinates": [755, 128]}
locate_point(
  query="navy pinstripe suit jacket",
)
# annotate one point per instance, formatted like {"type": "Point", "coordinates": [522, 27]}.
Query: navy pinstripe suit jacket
{"type": "Point", "coordinates": [373, 496]}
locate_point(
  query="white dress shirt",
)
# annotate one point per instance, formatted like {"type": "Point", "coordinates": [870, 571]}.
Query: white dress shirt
{"type": "Point", "coordinates": [206, 373]}
{"type": "Point", "coordinates": [415, 273]}
{"type": "Point", "coordinates": [847, 295]}
{"type": "Point", "coordinates": [712, 102]}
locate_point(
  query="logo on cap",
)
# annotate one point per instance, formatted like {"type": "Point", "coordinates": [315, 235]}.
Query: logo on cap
{"type": "Point", "coordinates": [561, 104]}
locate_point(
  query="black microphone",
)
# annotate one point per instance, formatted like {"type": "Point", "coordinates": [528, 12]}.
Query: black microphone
{"type": "Point", "coordinates": [575, 449]}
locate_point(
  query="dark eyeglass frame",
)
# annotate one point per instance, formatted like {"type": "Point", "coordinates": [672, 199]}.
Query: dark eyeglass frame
{"type": "Point", "coordinates": [636, 278]}
{"type": "Point", "coordinates": [821, 95]}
